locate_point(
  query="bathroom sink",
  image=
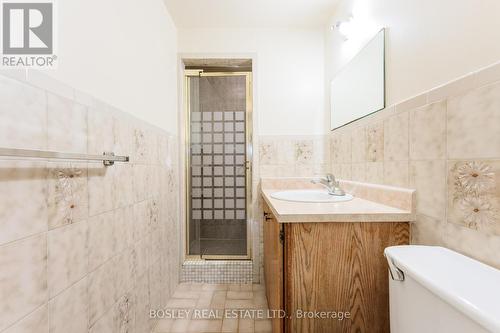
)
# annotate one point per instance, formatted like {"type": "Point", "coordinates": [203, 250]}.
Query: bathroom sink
{"type": "Point", "coordinates": [318, 196]}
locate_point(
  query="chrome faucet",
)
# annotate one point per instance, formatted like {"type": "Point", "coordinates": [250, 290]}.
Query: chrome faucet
{"type": "Point", "coordinates": [330, 184]}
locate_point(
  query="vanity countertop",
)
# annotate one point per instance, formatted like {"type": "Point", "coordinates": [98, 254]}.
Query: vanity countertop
{"type": "Point", "coordinates": [371, 203]}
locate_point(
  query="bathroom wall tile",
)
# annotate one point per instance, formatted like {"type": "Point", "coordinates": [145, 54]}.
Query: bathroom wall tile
{"type": "Point", "coordinates": [125, 271]}
{"type": "Point", "coordinates": [140, 181]}
{"type": "Point", "coordinates": [143, 323]}
{"type": "Point", "coordinates": [396, 173]}
{"type": "Point", "coordinates": [472, 243]}
{"type": "Point", "coordinates": [25, 258]}
{"type": "Point", "coordinates": [102, 291]}
{"type": "Point", "coordinates": [487, 75]}
{"type": "Point", "coordinates": [100, 130]}
{"type": "Point", "coordinates": [66, 124]}
{"type": "Point", "coordinates": [427, 231]}
{"type": "Point", "coordinates": [429, 178]}
{"type": "Point", "coordinates": [102, 241]}
{"type": "Point", "coordinates": [345, 171]}
{"type": "Point", "coordinates": [67, 193]}
{"type": "Point", "coordinates": [27, 126]}
{"type": "Point", "coordinates": [123, 137]}
{"type": "Point", "coordinates": [396, 142]}
{"type": "Point", "coordinates": [428, 132]}
{"type": "Point", "coordinates": [358, 172]}
{"type": "Point", "coordinates": [18, 180]}
{"type": "Point", "coordinates": [375, 142]}
{"type": "Point", "coordinates": [412, 103]}
{"type": "Point", "coordinates": [16, 74]}
{"type": "Point", "coordinates": [68, 311]}
{"type": "Point", "coordinates": [67, 259]}
{"type": "Point", "coordinates": [358, 143]}
{"type": "Point", "coordinates": [101, 187]}
{"type": "Point", "coordinates": [472, 127]}
{"type": "Point", "coordinates": [123, 189]}
{"type": "Point", "coordinates": [374, 172]}
{"type": "Point", "coordinates": [303, 151]}
{"type": "Point", "coordinates": [35, 322]}
{"type": "Point", "coordinates": [42, 80]}
{"type": "Point", "coordinates": [474, 195]}
{"type": "Point", "coordinates": [124, 227]}
{"type": "Point", "coordinates": [451, 89]}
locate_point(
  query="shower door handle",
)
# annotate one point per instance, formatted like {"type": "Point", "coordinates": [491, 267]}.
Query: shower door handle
{"type": "Point", "coordinates": [248, 165]}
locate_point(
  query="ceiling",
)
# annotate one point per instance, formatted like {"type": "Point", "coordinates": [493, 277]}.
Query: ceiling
{"type": "Point", "coordinates": [250, 13]}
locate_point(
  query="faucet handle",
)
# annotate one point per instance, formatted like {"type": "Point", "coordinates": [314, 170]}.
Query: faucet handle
{"type": "Point", "coordinates": [330, 178]}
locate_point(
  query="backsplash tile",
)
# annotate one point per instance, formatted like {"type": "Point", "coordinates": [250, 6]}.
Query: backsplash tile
{"type": "Point", "coordinates": [72, 247]}
{"type": "Point", "coordinates": [446, 144]}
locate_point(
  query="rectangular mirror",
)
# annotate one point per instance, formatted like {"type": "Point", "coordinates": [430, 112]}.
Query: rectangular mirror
{"type": "Point", "coordinates": [359, 88]}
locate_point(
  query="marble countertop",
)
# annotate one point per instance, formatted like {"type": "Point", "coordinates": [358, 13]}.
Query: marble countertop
{"type": "Point", "coordinates": [357, 210]}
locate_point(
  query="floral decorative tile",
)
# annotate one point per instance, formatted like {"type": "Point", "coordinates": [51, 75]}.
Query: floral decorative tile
{"type": "Point", "coordinates": [303, 151]}
{"type": "Point", "coordinates": [474, 195]}
{"type": "Point", "coordinates": [266, 153]}
{"type": "Point", "coordinates": [68, 194]}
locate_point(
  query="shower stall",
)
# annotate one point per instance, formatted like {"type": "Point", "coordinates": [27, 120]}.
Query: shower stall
{"type": "Point", "coordinates": [219, 150]}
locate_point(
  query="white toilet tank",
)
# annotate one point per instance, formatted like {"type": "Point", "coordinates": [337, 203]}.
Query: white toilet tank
{"type": "Point", "coordinates": [436, 290]}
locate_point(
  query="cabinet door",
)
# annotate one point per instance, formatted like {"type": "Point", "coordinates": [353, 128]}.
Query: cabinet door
{"type": "Point", "coordinates": [273, 267]}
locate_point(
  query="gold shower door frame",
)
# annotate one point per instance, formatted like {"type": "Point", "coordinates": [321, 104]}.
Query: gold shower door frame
{"type": "Point", "coordinates": [188, 74]}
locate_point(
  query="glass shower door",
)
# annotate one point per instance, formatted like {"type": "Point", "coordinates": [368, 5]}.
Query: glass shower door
{"type": "Point", "coordinates": [219, 145]}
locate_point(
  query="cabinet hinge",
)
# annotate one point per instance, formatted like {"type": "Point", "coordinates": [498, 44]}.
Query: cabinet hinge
{"type": "Point", "coordinates": [282, 236]}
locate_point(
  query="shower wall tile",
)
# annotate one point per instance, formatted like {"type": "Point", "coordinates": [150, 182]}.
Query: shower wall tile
{"type": "Point", "coordinates": [17, 218]}
{"type": "Point", "coordinates": [80, 241]}
{"type": "Point", "coordinates": [67, 193]}
{"type": "Point", "coordinates": [68, 311]}
{"type": "Point", "coordinates": [66, 124]}
{"type": "Point", "coordinates": [35, 322]}
{"type": "Point", "coordinates": [67, 258]}
{"type": "Point", "coordinates": [100, 130]}
{"type": "Point", "coordinates": [446, 144]}
{"type": "Point", "coordinates": [102, 242]}
{"type": "Point", "coordinates": [23, 278]}
{"type": "Point", "coordinates": [23, 111]}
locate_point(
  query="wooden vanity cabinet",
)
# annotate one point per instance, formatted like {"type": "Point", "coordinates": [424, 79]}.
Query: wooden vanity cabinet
{"type": "Point", "coordinates": [337, 266]}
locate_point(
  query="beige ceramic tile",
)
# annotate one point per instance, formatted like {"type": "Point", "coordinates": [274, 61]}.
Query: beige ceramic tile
{"type": "Point", "coordinates": [375, 142]}
{"type": "Point", "coordinates": [429, 179]}
{"type": "Point", "coordinates": [100, 130]}
{"type": "Point", "coordinates": [239, 304]}
{"type": "Point", "coordinates": [230, 325]}
{"type": "Point", "coordinates": [26, 258]}
{"type": "Point", "coordinates": [472, 124]}
{"type": "Point", "coordinates": [358, 172]}
{"type": "Point", "coordinates": [358, 143]}
{"type": "Point", "coordinates": [23, 116]}
{"type": "Point", "coordinates": [122, 186]}
{"type": "Point", "coordinates": [428, 132]}
{"type": "Point", "coordinates": [102, 290]}
{"type": "Point", "coordinates": [163, 326]}
{"type": "Point", "coordinates": [67, 193]}
{"type": "Point", "coordinates": [451, 89]}
{"type": "Point", "coordinates": [66, 125]}
{"type": "Point", "coordinates": [303, 151]}
{"type": "Point", "coordinates": [487, 75]}
{"type": "Point", "coordinates": [204, 325]}
{"type": "Point", "coordinates": [263, 326]}
{"type": "Point", "coordinates": [67, 260]}
{"type": "Point", "coordinates": [374, 172]}
{"type": "Point", "coordinates": [396, 137]}
{"type": "Point", "coordinates": [180, 326]}
{"type": "Point", "coordinates": [181, 303]}
{"type": "Point", "coordinates": [125, 271]}
{"type": "Point", "coordinates": [102, 241]}
{"type": "Point", "coordinates": [35, 322]}
{"type": "Point", "coordinates": [396, 173]}
{"type": "Point", "coordinates": [100, 188]}
{"type": "Point", "coordinates": [246, 325]}
{"type": "Point", "coordinates": [19, 180]}
{"type": "Point", "coordinates": [124, 227]}
{"type": "Point", "coordinates": [474, 195]}
{"type": "Point", "coordinates": [68, 311]}
{"type": "Point", "coordinates": [412, 103]}
{"type": "Point", "coordinates": [474, 244]}
{"type": "Point", "coordinates": [218, 300]}
{"type": "Point", "coordinates": [239, 295]}
{"type": "Point", "coordinates": [427, 231]}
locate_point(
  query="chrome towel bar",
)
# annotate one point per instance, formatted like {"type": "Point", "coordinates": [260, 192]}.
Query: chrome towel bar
{"type": "Point", "coordinates": [107, 158]}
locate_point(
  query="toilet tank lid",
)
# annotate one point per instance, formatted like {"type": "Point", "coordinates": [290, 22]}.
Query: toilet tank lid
{"type": "Point", "coordinates": [470, 286]}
